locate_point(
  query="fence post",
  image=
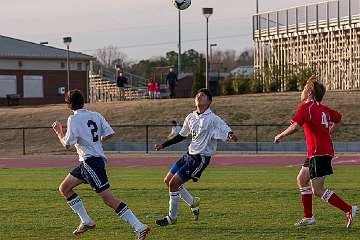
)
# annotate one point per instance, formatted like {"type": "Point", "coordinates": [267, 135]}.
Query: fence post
{"type": "Point", "coordinates": [256, 139]}
{"type": "Point", "coordinates": [23, 140]}
{"type": "Point", "coordinates": [147, 138]}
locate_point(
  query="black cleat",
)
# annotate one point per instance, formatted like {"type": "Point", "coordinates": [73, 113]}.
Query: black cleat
{"type": "Point", "coordinates": [165, 221]}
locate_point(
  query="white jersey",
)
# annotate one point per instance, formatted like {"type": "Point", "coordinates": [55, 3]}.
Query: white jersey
{"type": "Point", "coordinates": [84, 130]}
{"type": "Point", "coordinates": [206, 129]}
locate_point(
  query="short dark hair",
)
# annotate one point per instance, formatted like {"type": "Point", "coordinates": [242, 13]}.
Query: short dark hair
{"type": "Point", "coordinates": [206, 92]}
{"type": "Point", "coordinates": [317, 89]}
{"type": "Point", "coordinates": [74, 99]}
{"type": "Point", "coordinates": [174, 122]}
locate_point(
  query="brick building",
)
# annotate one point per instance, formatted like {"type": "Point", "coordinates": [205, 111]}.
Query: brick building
{"type": "Point", "coordinates": [38, 73]}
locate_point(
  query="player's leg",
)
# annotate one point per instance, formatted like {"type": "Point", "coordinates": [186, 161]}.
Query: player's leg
{"type": "Point", "coordinates": [125, 213]}
{"type": "Point", "coordinates": [75, 202]}
{"type": "Point", "coordinates": [322, 166]}
{"type": "Point", "coordinates": [170, 180]}
{"type": "Point", "coordinates": [174, 196]}
{"type": "Point", "coordinates": [196, 169]}
{"type": "Point", "coordinates": [303, 182]}
{"type": "Point", "coordinates": [183, 192]}
{"type": "Point", "coordinates": [95, 174]}
{"type": "Point", "coordinates": [169, 176]}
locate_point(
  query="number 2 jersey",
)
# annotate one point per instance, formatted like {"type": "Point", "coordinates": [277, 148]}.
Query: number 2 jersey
{"type": "Point", "coordinates": [206, 128]}
{"type": "Point", "coordinates": [315, 118]}
{"type": "Point", "coordinates": [84, 130]}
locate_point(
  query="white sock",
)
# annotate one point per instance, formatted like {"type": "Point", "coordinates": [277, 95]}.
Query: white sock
{"type": "Point", "coordinates": [186, 196]}
{"type": "Point", "coordinates": [327, 195]}
{"type": "Point", "coordinates": [173, 204]}
{"type": "Point", "coordinates": [78, 207]}
{"type": "Point", "coordinates": [128, 216]}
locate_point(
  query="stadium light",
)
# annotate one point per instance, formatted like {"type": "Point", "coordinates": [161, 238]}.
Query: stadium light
{"type": "Point", "coordinates": [207, 12]}
{"type": "Point", "coordinates": [67, 41]}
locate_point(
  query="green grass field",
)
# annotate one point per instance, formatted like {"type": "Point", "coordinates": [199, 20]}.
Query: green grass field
{"type": "Point", "coordinates": [237, 203]}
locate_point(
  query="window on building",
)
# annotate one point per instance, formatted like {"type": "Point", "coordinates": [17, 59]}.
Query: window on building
{"type": "Point", "coordinates": [79, 66]}
{"type": "Point", "coordinates": [7, 85]}
{"type": "Point", "coordinates": [62, 65]}
{"type": "Point", "coordinates": [33, 86]}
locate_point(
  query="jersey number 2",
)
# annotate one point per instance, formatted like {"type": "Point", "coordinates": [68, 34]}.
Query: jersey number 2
{"type": "Point", "coordinates": [94, 128]}
{"type": "Point", "coordinates": [324, 120]}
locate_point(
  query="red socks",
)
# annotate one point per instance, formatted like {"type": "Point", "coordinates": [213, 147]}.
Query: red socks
{"type": "Point", "coordinates": [306, 199]}
{"type": "Point", "coordinates": [330, 197]}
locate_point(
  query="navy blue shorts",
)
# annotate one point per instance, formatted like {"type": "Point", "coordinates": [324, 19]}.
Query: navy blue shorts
{"type": "Point", "coordinates": [93, 172]}
{"type": "Point", "coordinates": [190, 167]}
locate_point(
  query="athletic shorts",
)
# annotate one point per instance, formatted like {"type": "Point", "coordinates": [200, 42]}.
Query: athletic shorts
{"type": "Point", "coordinates": [93, 172]}
{"type": "Point", "coordinates": [319, 166]}
{"type": "Point", "coordinates": [190, 167]}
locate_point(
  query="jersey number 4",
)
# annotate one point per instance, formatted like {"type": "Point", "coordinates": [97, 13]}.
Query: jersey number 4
{"type": "Point", "coordinates": [94, 129]}
{"type": "Point", "coordinates": [324, 120]}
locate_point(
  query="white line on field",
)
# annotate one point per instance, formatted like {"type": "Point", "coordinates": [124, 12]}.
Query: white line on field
{"type": "Point", "coordinates": [335, 162]}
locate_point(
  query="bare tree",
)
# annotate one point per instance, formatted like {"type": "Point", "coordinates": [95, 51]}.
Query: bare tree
{"type": "Point", "coordinates": [111, 56]}
{"type": "Point", "coordinates": [224, 59]}
{"type": "Point", "coordinates": [246, 58]}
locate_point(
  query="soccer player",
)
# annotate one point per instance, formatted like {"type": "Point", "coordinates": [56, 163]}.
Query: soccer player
{"type": "Point", "coordinates": [205, 128]}
{"type": "Point", "coordinates": [319, 123]}
{"type": "Point", "coordinates": [86, 130]}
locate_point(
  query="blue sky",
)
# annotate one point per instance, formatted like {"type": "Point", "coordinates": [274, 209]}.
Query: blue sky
{"type": "Point", "coordinates": [140, 28]}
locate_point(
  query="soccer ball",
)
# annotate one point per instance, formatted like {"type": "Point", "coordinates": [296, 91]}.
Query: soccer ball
{"type": "Point", "coordinates": [182, 4]}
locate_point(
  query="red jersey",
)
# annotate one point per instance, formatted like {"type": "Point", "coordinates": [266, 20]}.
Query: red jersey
{"type": "Point", "coordinates": [157, 87]}
{"type": "Point", "coordinates": [315, 118]}
{"type": "Point", "coordinates": [151, 87]}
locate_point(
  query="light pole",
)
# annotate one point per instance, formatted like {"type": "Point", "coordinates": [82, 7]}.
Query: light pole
{"type": "Point", "coordinates": [211, 58]}
{"type": "Point", "coordinates": [207, 12]}
{"type": "Point", "coordinates": [179, 54]}
{"type": "Point", "coordinates": [67, 41]}
{"type": "Point", "coordinates": [257, 15]}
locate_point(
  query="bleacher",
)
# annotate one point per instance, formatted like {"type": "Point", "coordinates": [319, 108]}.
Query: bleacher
{"type": "Point", "coordinates": [103, 87]}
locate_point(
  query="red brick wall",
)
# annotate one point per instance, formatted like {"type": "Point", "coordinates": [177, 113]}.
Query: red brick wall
{"type": "Point", "coordinates": [52, 81]}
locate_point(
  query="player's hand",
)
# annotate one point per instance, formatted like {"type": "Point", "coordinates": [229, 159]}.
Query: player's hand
{"type": "Point", "coordinates": [277, 139]}
{"type": "Point", "coordinates": [331, 131]}
{"type": "Point", "coordinates": [232, 138]}
{"type": "Point", "coordinates": [158, 147]}
{"type": "Point", "coordinates": [57, 127]}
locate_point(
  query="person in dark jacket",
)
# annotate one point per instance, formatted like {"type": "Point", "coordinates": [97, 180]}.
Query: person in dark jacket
{"type": "Point", "coordinates": [171, 80]}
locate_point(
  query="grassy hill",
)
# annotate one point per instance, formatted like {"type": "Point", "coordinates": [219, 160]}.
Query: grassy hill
{"type": "Point", "coordinates": [276, 108]}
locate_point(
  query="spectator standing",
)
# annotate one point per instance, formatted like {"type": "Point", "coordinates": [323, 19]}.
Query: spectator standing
{"type": "Point", "coordinates": [151, 88]}
{"type": "Point", "coordinates": [157, 90]}
{"type": "Point", "coordinates": [171, 80]}
{"type": "Point", "coordinates": [121, 83]}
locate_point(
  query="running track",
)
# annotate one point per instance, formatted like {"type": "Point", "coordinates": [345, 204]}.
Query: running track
{"type": "Point", "coordinates": [165, 160]}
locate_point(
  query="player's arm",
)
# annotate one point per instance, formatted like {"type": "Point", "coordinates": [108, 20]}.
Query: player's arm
{"type": "Point", "coordinates": [58, 129]}
{"type": "Point", "coordinates": [222, 131]}
{"type": "Point", "coordinates": [105, 138]}
{"type": "Point", "coordinates": [106, 130]}
{"type": "Point", "coordinates": [334, 126]}
{"type": "Point", "coordinates": [300, 118]}
{"type": "Point", "coordinates": [178, 138]}
{"type": "Point", "coordinates": [335, 119]}
{"type": "Point", "coordinates": [184, 132]}
{"type": "Point", "coordinates": [294, 127]}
